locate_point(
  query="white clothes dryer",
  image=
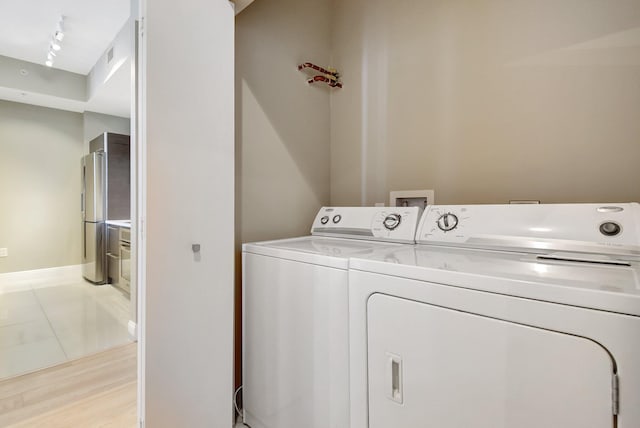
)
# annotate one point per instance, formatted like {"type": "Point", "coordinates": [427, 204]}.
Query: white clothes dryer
{"type": "Point", "coordinates": [516, 316]}
{"type": "Point", "coordinates": [295, 316]}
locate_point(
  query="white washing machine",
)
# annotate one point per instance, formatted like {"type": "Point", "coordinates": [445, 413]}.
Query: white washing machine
{"type": "Point", "coordinates": [513, 316]}
{"type": "Point", "coordinates": [295, 316]}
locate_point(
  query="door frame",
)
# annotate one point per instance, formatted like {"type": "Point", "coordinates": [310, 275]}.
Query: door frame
{"type": "Point", "coordinates": [138, 194]}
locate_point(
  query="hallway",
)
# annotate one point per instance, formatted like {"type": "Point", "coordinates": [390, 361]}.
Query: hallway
{"type": "Point", "coordinates": [94, 391]}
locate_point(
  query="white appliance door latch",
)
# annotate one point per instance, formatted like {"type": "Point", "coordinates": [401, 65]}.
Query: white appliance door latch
{"type": "Point", "coordinates": [615, 394]}
{"type": "Point", "coordinates": [394, 374]}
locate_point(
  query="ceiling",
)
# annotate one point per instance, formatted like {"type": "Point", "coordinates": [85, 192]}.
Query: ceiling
{"type": "Point", "coordinates": [26, 27]}
{"type": "Point", "coordinates": [90, 27]}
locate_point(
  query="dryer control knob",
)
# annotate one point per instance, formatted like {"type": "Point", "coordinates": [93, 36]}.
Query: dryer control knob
{"type": "Point", "coordinates": [447, 222]}
{"type": "Point", "coordinates": [392, 221]}
{"type": "Point", "coordinates": [610, 228]}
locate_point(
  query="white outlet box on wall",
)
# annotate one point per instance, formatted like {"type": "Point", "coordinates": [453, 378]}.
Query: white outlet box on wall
{"type": "Point", "coordinates": [4, 252]}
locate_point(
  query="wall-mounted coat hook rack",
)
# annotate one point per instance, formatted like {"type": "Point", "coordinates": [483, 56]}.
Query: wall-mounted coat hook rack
{"type": "Point", "coordinates": [329, 75]}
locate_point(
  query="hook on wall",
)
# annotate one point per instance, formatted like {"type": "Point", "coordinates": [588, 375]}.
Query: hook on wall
{"type": "Point", "coordinates": [329, 75]}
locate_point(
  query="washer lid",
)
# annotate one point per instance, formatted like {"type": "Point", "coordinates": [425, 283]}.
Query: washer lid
{"type": "Point", "coordinates": [589, 284]}
{"type": "Point", "coordinates": [318, 249]}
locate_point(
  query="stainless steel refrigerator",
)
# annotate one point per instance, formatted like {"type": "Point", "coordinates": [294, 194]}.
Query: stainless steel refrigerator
{"type": "Point", "coordinates": [106, 190]}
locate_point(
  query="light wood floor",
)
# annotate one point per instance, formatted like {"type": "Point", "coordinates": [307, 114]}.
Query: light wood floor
{"type": "Point", "coordinates": [91, 392]}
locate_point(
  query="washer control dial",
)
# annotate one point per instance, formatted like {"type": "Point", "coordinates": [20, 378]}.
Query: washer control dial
{"type": "Point", "coordinates": [392, 221]}
{"type": "Point", "coordinates": [337, 218]}
{"type": "Point", "coordinates": [447, 222]}
{"type": "Point", "coordinates": [324, 219]}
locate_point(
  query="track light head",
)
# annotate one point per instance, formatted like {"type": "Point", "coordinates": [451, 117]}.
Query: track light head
{"type": "Point", "coordinates": [54, 44]}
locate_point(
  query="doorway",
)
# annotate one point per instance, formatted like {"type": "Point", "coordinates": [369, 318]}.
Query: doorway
{"type": "Point", "coordinates": [71, 81]}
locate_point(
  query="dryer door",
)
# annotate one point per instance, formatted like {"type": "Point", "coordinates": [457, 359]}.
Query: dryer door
{"type": "Point", "coordinates": [435, 367]}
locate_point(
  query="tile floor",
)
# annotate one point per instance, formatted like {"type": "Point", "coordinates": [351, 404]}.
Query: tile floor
{"type": "Point", "coordinates": [48, 321]}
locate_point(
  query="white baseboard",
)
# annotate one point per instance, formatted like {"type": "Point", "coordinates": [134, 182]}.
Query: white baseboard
{"type": "Point", "coordinates": [56, 275]}
{"type": "Point", "coordinates": [132, 327]}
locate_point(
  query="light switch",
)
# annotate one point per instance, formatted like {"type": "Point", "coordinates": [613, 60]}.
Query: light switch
{"type": "Point", "coordinates": [4, 252]}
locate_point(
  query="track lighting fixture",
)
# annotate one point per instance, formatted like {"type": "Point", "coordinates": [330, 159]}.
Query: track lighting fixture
{"type": "Point", "coordinates": [59, 34]}
{"type": "Point", "coordinates": [55, 43]}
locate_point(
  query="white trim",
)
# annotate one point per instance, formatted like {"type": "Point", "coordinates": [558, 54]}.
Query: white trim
{"type": "Point", "coordinates": [139, 204]}
{"type": "Point", "coordinates": [71, 273]}
{"type": "Point", "coordinates": [132, 328]}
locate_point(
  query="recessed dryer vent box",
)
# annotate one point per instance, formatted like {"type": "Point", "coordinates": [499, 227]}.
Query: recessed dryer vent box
{"type": "Point", "coordinates": [412, 198]}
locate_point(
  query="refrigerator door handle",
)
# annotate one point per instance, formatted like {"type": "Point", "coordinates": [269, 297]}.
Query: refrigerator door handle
{"type": "Point", "coordinates": [83, 190]}
{"type": "Point", "coordinates": [84, 241]}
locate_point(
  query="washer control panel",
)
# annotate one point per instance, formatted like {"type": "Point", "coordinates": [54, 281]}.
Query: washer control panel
{"type": "Point", "coordinates": [602, 228]}
{"type": "Point", "coordinates": [393, 224]}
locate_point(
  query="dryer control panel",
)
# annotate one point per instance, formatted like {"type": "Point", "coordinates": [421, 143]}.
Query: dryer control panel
{"type": "Point", "coordinates": [393, 224]}
{"type": "Point", "coordinates": [546, 228]}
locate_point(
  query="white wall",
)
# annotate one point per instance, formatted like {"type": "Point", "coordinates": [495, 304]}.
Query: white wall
{"type": "Point", "coordinates": [40, 151]}
{"type": "Point", "coordinates": [187, 335]}
{"type": "Point", "coordinates": [42, 80]}
{"type": "Point", "coordinates": [486, 100]}
{"type": "Point", "coordinates": [121, 49]}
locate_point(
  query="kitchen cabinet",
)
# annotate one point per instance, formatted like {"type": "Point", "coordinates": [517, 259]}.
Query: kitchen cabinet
{"type": "Point", "coordinates": [113, 254]}
{"type": "Point", "coordinates": [119, 254]}
{"type": "Point", "coordinates": [124, 243]}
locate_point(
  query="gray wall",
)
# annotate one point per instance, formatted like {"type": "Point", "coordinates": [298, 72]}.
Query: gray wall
{"type": "Point", "coordinates": [40, 151]}
{"type": "Point", "coordinates": [95, 124]}
{"type": "Point", "coordinates": [282, 125]}
{"type": "Point", "coordinates": [486, 100]}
